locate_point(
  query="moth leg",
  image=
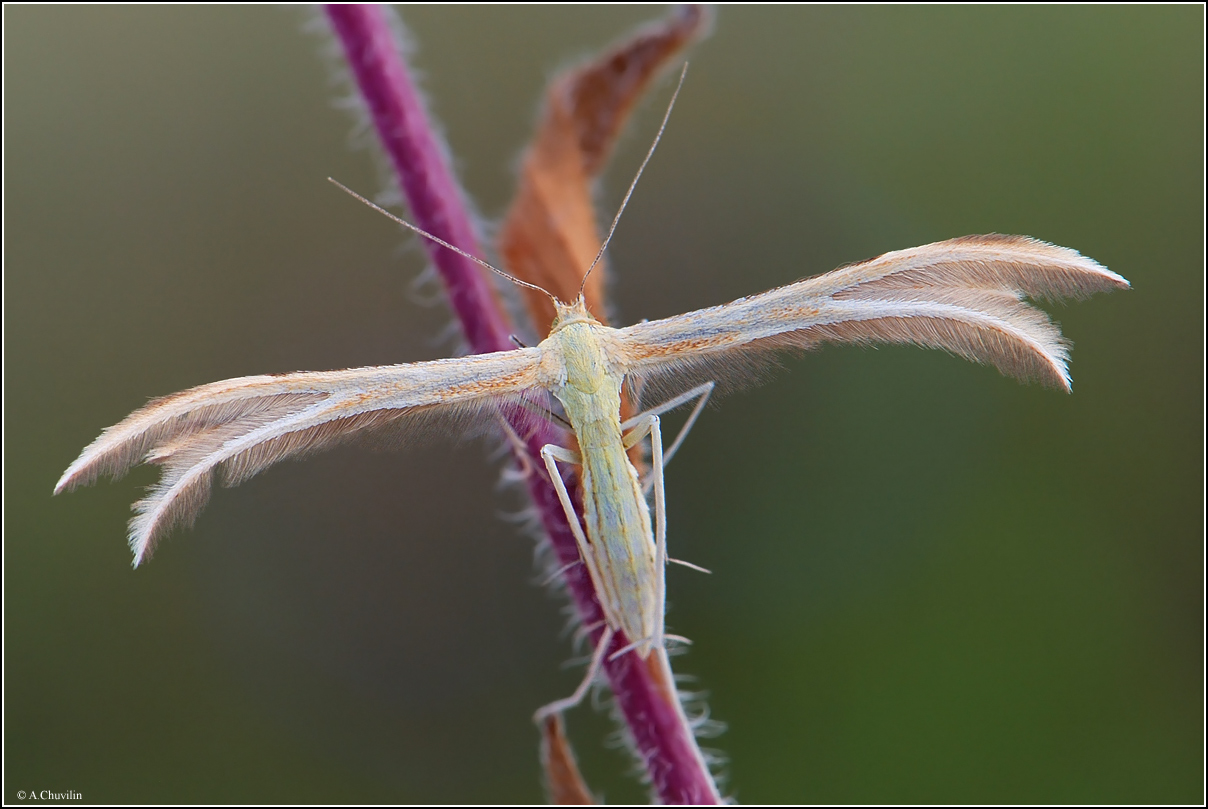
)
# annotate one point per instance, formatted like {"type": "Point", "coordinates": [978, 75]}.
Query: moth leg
{"type": "Point", "coordinates": [650, 423]}
{"type": "Point", "coordinates": [638, 430]}
{"type": "Point", "coordinates": [660, 523]}
{"type": "Point", "coordinates": [597, 659]}
{"type": "Point", "coordinates": [700, 393]}
{"type": "Point", "coordinates": [519, 450]}
{"type": "Point", "coordinates": [697, 568]}
{"type": "Point", "coordinates": [551, 453]}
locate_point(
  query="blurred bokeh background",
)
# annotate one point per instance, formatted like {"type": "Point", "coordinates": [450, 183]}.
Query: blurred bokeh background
{"type": "Point", "coordinates": [931, 584]}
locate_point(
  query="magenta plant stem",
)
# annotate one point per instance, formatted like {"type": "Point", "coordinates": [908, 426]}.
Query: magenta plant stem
{"type": "Point", "coordinates": [663, 739]}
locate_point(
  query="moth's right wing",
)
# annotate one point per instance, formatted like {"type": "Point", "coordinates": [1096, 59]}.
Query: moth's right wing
{"type": "Point", "coordinates": [964, 295]}
{"type": "Point", "coordinates": [241, 426]}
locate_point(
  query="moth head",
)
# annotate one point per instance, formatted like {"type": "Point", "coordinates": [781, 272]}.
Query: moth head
{"type": "Point", "coordinates": [567, 313]}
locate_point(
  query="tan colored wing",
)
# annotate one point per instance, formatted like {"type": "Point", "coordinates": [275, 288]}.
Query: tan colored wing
{"type": "Point", "coordinates": [964, 295]}
{"type": "Point", "coordinates": [241, 426]}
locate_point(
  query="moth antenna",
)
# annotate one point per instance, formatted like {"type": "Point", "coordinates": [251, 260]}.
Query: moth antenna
{"type": "Point", "coordinates": [616, 219]}
{"type": "Point", "coordinates": [441, 241]}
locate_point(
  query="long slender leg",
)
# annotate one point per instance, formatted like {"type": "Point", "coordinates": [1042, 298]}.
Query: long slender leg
{"type": "Point", "coordinates": [597, 659]}
{"type": "Point", "coordinates": [518, 445]}
{"type": "Point", "coordinates": [672, 403]}
{"type": "Point", "coordinates": [637, 431]}
{"type": "Point", "coordinates": [550, 453]}
{"type": "Point", "coordinates": [700, 392]}
{"type": "Point", "coordinates": [697, 568]}
{"type": "Point", "coordinates": [660, 524]}
{"type": "Point", "coordinates": [519, 449]}
{"type": "Point", "coordinates": [703, 391]}
{"type": "Point", "coordinates": [650, 423]}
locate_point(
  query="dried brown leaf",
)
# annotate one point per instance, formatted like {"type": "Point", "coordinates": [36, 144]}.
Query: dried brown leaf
{"type": "Point", "coordinates": [549, 236]}
{"type": "Point", "coordinates": [563, 780]}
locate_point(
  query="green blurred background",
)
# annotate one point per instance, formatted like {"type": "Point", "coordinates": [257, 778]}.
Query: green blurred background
{"type": "Point", "coordinates": [931, 584]}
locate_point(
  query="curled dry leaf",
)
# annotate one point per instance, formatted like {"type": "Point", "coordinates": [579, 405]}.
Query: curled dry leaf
{"type": "Point", "coordinates": [549, 236]}
{"type": "Point", "coordinates": [563, 781]}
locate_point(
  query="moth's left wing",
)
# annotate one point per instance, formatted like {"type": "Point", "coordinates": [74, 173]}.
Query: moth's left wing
{"type": "Point", "coordinates": [239, 427]}
{"type": "Point", "coordinates": [964, 295]}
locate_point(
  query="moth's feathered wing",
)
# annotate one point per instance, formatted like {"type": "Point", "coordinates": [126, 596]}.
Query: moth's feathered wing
{"type": "Point", "coordinates": [964, 295]}
{"type": "Point", "coordinates": [240, 426]}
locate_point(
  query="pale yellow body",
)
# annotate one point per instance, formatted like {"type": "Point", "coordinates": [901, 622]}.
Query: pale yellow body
{"type": "Point", "coordinates": [584, 369]}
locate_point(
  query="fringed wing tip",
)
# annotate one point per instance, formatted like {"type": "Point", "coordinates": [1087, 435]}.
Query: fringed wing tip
{"type": "Point", "coordinates": [83, 470]}
{"type": "Point", "coordinates": [113, 453]}
{"type": "Point", "coordinates": [140, 545]}
{"type": "Point", "coordinates": [142, 534]}
{"type": "Point", "coordinates": [141, 538]}
{"type": "Point", "coordinates": [981, 281]}
{"type": "Point", "coordinates": [67, 482]}
{"type": "Point", "coordinates": [175, 501]}
{"type": "Point", "coordinates": [1111, 279]}
{"type": "Point", "coordinates": [1103, 279]}
{"type": "Point", "coordinates": [77, 475]}
{"type": "Point", "coordinates": [1117, 280]}
{"type": "Point", "coordinates": [1047, 366]}
{"type": "Point", "coordinates": [1061, 379]}
{"type": "Point", "coordinates": [104, 457]}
